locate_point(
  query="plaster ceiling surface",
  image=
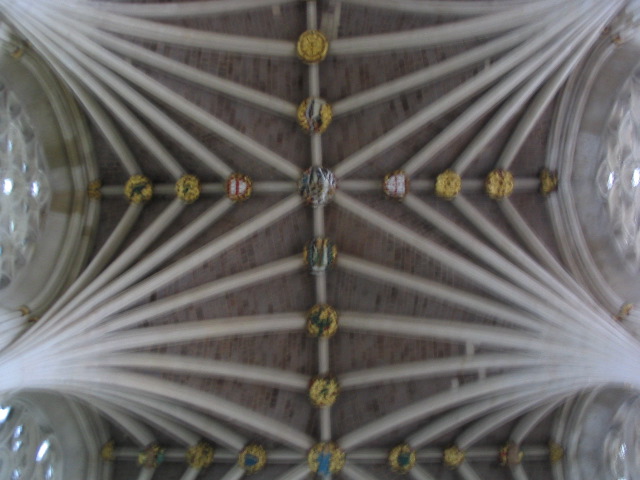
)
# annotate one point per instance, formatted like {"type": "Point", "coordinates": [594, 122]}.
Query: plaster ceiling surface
{"type": "Point", "coordinates": [459, 324]}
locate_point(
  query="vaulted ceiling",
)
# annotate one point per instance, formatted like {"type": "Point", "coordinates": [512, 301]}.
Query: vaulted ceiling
{"type": "Point", "coordinates": [415, 166]}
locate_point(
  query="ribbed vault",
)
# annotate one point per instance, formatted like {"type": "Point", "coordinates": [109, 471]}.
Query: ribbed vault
{"type": "Point", "coordinates": [460, 329]}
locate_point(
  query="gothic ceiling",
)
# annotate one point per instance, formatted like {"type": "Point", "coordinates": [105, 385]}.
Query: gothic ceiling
{"type": "Point", "coordinates": [317, 233]}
